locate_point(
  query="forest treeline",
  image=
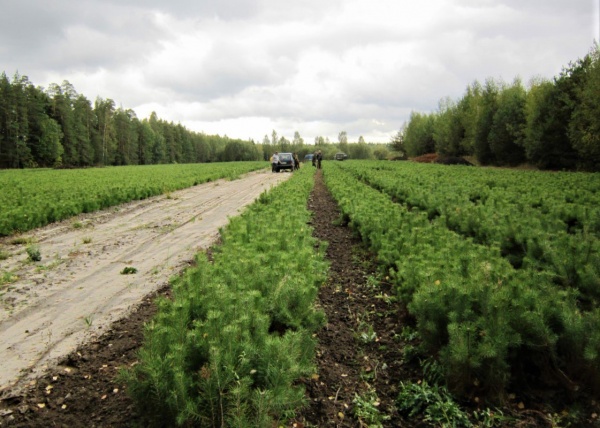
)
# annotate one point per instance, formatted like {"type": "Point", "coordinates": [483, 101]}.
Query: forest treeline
{"type": "Point", "coordinates": [553, 124]}
{"type": "Point", "coordinates": [57, 127]}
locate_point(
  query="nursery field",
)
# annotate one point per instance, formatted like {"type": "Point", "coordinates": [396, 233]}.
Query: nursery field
{"type": "Point", "coordinates": [32, 198]}
{"type": "Point", "coordinates": [397, 295]}
{"type": "Point", "coordinates": [94, 268]}
{"type": "Point", "coordinates": [501, 269]}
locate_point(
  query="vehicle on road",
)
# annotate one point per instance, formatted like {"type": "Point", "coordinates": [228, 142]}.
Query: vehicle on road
{"type": "Point", "coordinates": [286, 161]}
{"type": "Point", "coordinates": [340, 156]}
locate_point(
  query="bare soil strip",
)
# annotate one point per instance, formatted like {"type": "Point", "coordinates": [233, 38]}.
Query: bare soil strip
{"type": "Point", "coordinates": [358, 352]}
{"type": "Point", "coordinates": [78, 289]}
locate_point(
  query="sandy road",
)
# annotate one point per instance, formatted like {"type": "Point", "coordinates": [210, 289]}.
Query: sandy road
{"type": "Point", "coordinates": [78, 289]}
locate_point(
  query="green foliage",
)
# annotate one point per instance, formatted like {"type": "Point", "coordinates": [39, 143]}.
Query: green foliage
{"type": "Point", "coordinates": [19, 240]}
{"type": "Point", "coordinates": [360, 150]}
{"type": "Point", "coordinates": [468, 113]}
{"type": "Point", "coordinates": [60, 128]}
{"type": "Point", "coordinates": [499, 270]}
{"type": "Point", "coordinates": [34, 198]}
{"type": "Point", "coordinates": [448, 130]}
{"type": "Point", "coordinates": [418, 134]}
{"type": "Point", "coordinates": [128, 270]}
{"type": "Point", "coordinates": [49, 150]}
{"type": "Point", "coordinates": [89, 320]}
{"type": "Point", "coordinates": [366, 410]}
{"type": "Point", "coordinates": [397, 144]}
{"type": "Point", "coordinates": [7, 277]}
{"type": "Point", "coordinates": [485, 121]}
{"type": "Point", "coordinates": [506, 134]}
{"type": "Point", "coordinates": [365, 332]}
{"type": "Point", "coordinates": [230, 346]}
{"type": "Point", "coordinates": [430, 400]}
{"type": "Point", "coordinates": [548, 113]}
{"type": "Point", "coordinates": [553, 125]}
{"type": "Point", "coordinates": [584, 127]}
{"type": "Point", "coordinates": [434, 403]}
{"type": "Point", "coordinates": [34, 253]}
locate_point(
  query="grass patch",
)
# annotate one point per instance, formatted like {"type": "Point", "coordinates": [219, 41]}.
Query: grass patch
{"type": "Point", "coordinates": [7, 277]}
{"type": "Point", "coordinates": [20, 240]}
{"type": "Point", "coordinates": [33, 253]}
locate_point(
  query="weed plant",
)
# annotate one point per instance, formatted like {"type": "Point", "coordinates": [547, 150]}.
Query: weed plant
{"type": "Point", "coordinates": [430, 400]}
{"type": "Point", "coordinates": [366, 410]}
{"type": "Point", "coordinates": [33, 253]}
{"type": "Point", "coordinates": [7, 277]}
{"type": "Point", "coordinates": [230, 346]}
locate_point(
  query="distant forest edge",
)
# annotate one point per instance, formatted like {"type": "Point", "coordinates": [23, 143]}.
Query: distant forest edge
{"type": "Point", "coordinates": [553, 124]}
{"type": "Point", "coordinates": [59, 128]}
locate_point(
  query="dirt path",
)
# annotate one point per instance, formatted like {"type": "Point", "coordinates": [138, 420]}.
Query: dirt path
{"type": "Point", "coordinates": [77, 290]}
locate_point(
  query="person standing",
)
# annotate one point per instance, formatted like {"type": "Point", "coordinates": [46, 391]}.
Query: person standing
{"type": "Point", "coordinates": [296, 161]}
{"type": "Point", "coordinates": [319, 159]}
{"type": "Point", "coordinates": [274, 162]}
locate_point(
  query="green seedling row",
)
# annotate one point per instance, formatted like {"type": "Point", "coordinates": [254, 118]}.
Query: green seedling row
{"type": "Point", "coordinates": [35, 197]}
{"type": "Point", "coordinates": [231, 345]}
{"type": "Point", "coordinates": [542, 221]}
{"type": "Point", "coordinates": [490, 325]}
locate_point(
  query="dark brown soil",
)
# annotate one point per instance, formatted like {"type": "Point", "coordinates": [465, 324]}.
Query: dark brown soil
{"type": "Point", "coordinates": [83, 391]}
{"type": "Point", "coordinates": [426, 158]}
{"type": "Point", "coordinates": [359, 351]}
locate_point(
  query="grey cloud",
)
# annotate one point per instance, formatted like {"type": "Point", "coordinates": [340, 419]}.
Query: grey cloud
{"type": "Point", "coordinates": [199, 9]}
{"type": "Point", "coordinates": [575, 7]}
{"type": "Point", "coordinates": [225, 71]}
{"type": "Point", "coordinates": [25, 25]}
{"type": "Point", "coordinates": [66, 36]}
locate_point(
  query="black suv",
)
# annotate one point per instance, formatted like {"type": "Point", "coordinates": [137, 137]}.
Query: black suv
{"type": "Point", "coordinates": [286, 161]}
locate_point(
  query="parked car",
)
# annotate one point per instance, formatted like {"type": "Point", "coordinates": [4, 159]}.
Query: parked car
{"type": "Point", "coordinates": [308, 157]}
{"type": "Point", "coordinates": [286, 161]}
{"type": "Point", "coordinates": [340, 156]}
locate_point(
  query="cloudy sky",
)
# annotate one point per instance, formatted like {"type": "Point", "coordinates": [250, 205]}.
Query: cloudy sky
{"type": "Point", "coordinates": [244, 68]}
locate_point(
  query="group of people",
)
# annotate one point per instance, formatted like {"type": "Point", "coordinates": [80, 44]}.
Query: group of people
{"type": "Point", "coordinates": [276, 162]}
{"type": "Point", "coordinates": [316, 160]}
